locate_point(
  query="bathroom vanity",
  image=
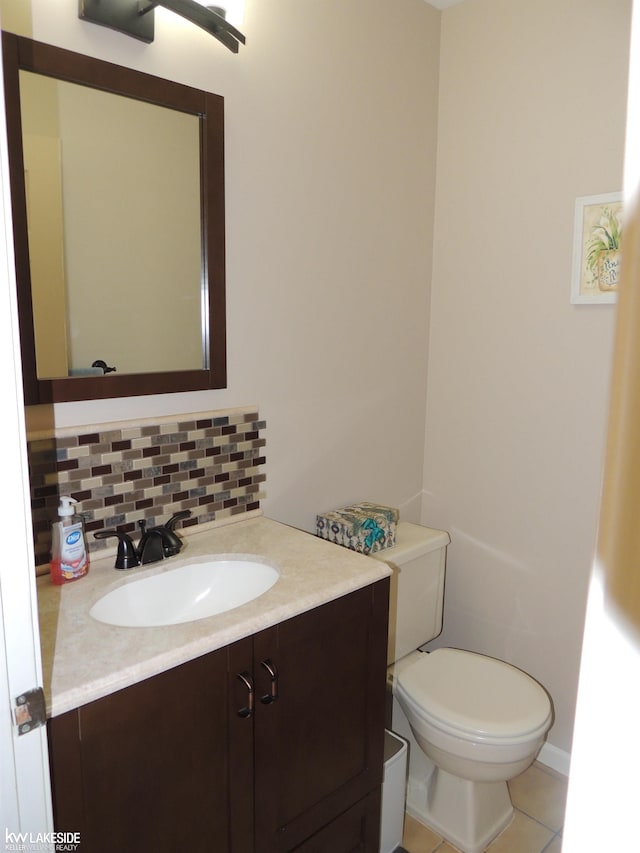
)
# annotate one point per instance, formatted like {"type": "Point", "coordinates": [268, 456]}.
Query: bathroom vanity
{"type": "Point", "coordinates": [259, 729]}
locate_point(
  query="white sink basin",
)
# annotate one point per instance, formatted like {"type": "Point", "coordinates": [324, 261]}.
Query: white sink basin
{"type": "Point", "coordinates": [189, 592]}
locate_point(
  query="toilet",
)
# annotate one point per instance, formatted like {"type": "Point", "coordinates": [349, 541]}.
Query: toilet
{"type": "Point", "coordinates": [473, 722]}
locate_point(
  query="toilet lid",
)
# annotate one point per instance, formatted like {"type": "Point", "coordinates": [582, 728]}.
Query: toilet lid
{"type": "Point", "coordinates": [474, 694]}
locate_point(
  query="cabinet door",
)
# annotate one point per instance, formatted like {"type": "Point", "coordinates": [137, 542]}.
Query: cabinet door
{"type": "Point", "coordinates": [355, 831]}
{"type": "Point", "coordinates": [319, 722]}
{"type": "Point", "coordinates": [151, 767]}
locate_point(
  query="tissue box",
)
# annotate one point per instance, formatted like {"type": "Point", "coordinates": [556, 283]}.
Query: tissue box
{"type": "Point", "coordinates": [363, 527]}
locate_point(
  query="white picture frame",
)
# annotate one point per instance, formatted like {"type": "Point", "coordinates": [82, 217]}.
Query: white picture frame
{"type": "Point", "coordinates": [596, 249]}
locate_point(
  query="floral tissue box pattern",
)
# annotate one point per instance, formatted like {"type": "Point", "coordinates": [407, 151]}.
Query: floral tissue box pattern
{"type": "Point", "coordinates": [364, 527]}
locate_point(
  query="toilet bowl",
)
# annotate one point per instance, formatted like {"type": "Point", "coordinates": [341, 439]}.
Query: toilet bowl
{"type": "Point", "coordinates": [482, 717]}
{"type": "Point", "coordinates": [481, 722]}
{"type": "Point", "coordinates": [477, 721]}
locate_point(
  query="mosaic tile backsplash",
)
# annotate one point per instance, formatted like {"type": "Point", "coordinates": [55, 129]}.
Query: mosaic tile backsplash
{"type": "Point", "coordinates": [208, 463]}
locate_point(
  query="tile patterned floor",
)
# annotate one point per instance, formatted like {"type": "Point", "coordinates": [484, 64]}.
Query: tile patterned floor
{"type": "Point", "coordinates": [538, 795]}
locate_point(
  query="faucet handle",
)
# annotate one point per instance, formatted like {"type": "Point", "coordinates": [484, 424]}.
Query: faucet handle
{"type": "Point", "coordinates": [172, 542]}
{"type": "Point", "coordinates": [126, 557]}
{"type": "Point", "coordinates": [176, 517]}
{"type": "Point", "coordinates": [151, 547]}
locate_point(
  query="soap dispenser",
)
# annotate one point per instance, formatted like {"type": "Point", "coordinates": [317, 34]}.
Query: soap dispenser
{"type": "Point", "coordinates": [69, 555]}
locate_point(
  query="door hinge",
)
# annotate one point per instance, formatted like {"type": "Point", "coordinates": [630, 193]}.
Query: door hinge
{"type": "Point", "coordinates": [30, 710]}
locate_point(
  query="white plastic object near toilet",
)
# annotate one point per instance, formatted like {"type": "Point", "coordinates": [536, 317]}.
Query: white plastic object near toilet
{"type": "Point", "coordinates": [394, 783]}
{"type": "Point", "coordinates": [478, 721]}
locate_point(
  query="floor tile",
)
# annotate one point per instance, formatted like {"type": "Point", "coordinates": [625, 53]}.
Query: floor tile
{"type": "Point", "coordinates": [523, 835]}
{"type": "Point", "coordinates": [541, 795]}
{"type": "Point", "coordinates": [418, 839]}
{"type": "Point", "coordinates": [538, 795]}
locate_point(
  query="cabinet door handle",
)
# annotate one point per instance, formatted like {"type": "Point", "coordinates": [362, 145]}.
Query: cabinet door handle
{"type": "Point", "coordinates": [245, 678]}
{"type": "Point", "coordinates": [272, 695]}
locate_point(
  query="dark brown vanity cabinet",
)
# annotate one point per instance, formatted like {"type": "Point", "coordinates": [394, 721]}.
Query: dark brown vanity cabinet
{"type": "Point", "coordinates": [272, 744]}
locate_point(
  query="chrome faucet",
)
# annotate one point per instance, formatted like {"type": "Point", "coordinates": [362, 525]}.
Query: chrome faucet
{"type": "Point", "coordinates": [155, 544]}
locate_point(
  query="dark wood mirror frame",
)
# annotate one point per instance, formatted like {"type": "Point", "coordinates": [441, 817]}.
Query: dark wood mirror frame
{"type": "Point", "coordinates": [24, 54]}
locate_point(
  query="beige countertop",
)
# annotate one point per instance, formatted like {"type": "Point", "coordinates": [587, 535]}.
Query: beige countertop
{"type": "Point", "coordinates": [83, 659]}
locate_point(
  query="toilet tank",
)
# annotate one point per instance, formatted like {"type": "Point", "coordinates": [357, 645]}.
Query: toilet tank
{"type": "Point", "coordinates": [417, 587]}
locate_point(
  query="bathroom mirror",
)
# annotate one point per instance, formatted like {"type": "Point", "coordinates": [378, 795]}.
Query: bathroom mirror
{"type": "Point", "coordinates": [117, 186]}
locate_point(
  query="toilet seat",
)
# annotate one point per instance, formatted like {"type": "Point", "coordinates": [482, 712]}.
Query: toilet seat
{"type": "Point", "coordinates": [474, 697]}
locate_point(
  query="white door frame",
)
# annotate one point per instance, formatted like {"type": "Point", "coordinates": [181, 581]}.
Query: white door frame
{"type": "Point", "coordinates": [25, 795]}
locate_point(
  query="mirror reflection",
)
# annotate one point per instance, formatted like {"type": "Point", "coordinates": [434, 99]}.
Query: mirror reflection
{"type": "Point", "coordinates": [115, 274]}
{"type": "Point", "coordinates": [118, 205]}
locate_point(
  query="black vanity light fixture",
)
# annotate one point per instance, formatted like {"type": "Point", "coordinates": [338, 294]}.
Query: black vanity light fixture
{"type": "Point", "coordinates": [135, 17]}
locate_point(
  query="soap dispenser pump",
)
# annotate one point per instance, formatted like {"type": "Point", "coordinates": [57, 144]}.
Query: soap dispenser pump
{"type": "Point", "coordinates": [69, 556]}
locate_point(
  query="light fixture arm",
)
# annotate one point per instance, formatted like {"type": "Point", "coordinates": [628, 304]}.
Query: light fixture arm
{"type": "Point", "coordinates": [135, 18]}
{"type": "Point", "coordinates": [199, 15]}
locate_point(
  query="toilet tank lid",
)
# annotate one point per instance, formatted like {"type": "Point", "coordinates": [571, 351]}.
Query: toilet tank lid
{"type": "Point", "coordinates": [413, 540]}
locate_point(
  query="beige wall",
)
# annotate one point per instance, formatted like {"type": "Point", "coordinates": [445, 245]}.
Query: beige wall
{"type": "Point", "coordinates": [330, 169]}
{"type": "Point", "coordinates": [532, 107]}
{"type": "Point", "coordinates": [611, 650]}
{"type": "Point", "coordinates": [331, 134]}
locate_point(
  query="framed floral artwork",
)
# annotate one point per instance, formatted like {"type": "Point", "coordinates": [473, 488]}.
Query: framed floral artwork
{"type": "Point", "coordinates": [596, 248]}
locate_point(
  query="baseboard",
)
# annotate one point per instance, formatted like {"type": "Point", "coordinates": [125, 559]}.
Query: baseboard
{"type": "Point", "coordinates": [556, 759]}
